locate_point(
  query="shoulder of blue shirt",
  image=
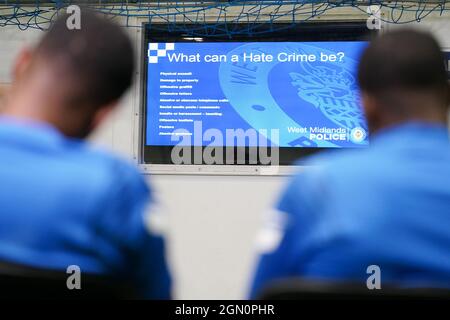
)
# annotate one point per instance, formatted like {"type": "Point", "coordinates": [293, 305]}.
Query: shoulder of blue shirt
{"type": "Point", "coordinates": [113, 168]}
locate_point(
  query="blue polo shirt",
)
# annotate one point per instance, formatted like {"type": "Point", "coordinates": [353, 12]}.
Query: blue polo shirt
{"type": "Point", "coordinates": [63, 203]}
{"type": "Point", "coordinates": [387, 205]}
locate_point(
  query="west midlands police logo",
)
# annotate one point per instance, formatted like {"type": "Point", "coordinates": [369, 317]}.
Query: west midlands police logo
{"type": "Point", "coordinates": [333, 91]}
{"type": "Point", "coordinates": [357, 135]}
{"type": "Point", "coordinates": [158, 50]}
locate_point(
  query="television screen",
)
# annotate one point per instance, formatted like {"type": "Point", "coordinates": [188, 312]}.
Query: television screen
{"type": "Point", "coordinates": [294, 90]}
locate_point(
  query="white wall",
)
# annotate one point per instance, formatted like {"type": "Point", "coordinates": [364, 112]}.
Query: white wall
{"type": "Point", "coordinates": [213, 225]}
{"type": "Point", "coordinates": [213, 219]}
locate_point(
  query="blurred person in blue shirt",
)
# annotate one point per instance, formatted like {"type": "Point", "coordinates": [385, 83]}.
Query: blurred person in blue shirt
{"type": "Point", "coordinates": [61, 201]}
{"type": "Point", "coordinates": [387, 205]}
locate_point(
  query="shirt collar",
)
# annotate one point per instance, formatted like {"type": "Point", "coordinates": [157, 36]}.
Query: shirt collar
{"type": "Point", "coordinates": [36, 129]}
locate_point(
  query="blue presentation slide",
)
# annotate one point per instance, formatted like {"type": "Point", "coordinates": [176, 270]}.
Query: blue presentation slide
{"type": "Point", "coordinates": [293, 94]}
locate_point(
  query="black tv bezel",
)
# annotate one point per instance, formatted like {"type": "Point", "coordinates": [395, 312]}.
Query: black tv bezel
{"type": "Point", "coordinates": [239, 32]}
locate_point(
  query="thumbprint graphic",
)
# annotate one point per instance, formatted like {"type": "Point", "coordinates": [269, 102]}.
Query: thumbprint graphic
{"type": "Point", "coordinates": [333, 92]}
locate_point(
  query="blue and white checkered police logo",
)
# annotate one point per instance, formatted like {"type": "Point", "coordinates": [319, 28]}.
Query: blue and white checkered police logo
{"type": "Point", "coordinates": [158, 50]}
{"type": "Point", "coordinates": [358, 135]}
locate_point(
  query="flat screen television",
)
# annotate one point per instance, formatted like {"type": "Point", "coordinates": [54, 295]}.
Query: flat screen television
{"type": "Point", "coordinates": [292, 89]}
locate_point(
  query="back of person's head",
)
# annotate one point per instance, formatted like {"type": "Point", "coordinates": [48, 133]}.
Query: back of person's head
{"type": "Point", "coordinates": [402, 77]}
{"type": "Point", "coordinates": [98, 58]}
{"type": "Point", "coordinates": [83, 71]}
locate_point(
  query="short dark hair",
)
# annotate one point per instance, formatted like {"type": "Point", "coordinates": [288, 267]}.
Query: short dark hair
{"type": "Point", "coordinates": [98, 57]}
{"type": "Point", "coordinates": [403, 60]}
